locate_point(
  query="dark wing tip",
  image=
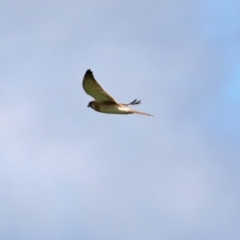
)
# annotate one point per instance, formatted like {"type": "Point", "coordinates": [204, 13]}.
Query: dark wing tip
{"type": "Point", "coordinates": [135, 102]}
{"type": "Point", "coordinates": [89, 74]}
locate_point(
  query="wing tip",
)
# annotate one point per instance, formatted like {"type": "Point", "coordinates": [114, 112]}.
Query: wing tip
{"type": "Point", "coordinates": [88, 73]}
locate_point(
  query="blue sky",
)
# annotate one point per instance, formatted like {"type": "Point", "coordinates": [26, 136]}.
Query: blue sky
{"type": "Point", "coordinates": [68, 172]}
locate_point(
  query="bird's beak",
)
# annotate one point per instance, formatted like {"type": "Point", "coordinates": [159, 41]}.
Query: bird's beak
{"type": "Point", "coordinates": [88, 105]}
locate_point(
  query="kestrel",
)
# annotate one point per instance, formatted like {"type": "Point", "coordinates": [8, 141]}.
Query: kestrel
{"type": "Point", "coordinates": [103, 101]}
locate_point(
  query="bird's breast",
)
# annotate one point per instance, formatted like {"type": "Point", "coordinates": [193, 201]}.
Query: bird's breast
{"type": "Point", "coordinates": [111, 108]}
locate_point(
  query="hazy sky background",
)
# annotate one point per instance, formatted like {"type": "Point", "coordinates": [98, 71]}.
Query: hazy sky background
{"type": "Point", "coordinates": [68, 172]}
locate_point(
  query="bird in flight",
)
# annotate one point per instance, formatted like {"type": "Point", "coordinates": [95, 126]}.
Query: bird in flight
{"type": "Point", "coordinates": [103, 101]}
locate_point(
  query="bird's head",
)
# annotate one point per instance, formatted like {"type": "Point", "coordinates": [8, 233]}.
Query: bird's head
{"type": "Point", "coordinates": [90, 104]}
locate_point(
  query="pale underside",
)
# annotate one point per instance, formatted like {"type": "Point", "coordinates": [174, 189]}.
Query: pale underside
{"type": "Point", "coordinates": [113, 109]}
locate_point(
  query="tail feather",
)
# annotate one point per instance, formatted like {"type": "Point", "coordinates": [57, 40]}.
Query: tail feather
{"type": "Point", "coordinates": [142, 113]}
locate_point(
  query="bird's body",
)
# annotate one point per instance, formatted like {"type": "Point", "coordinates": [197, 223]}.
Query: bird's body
{"type": "Point", "coordinates": [105, 103]}
{"type": "Point", "coordinates": [109, 107]}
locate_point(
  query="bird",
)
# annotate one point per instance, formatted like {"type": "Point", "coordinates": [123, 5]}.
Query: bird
{"type": "Point", "coordinates": [104, 102]}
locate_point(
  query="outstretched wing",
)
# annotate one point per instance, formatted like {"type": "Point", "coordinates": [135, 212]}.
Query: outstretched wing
{"type": "Point", "coordinates": [92, 88]}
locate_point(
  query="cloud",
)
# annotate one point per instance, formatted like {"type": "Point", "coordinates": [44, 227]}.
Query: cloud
{"type": "Point", "coordinates": [71, 173]}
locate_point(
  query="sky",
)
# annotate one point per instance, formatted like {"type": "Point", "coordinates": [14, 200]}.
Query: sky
{"type": "Point", "coordinates": [68, 172]}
